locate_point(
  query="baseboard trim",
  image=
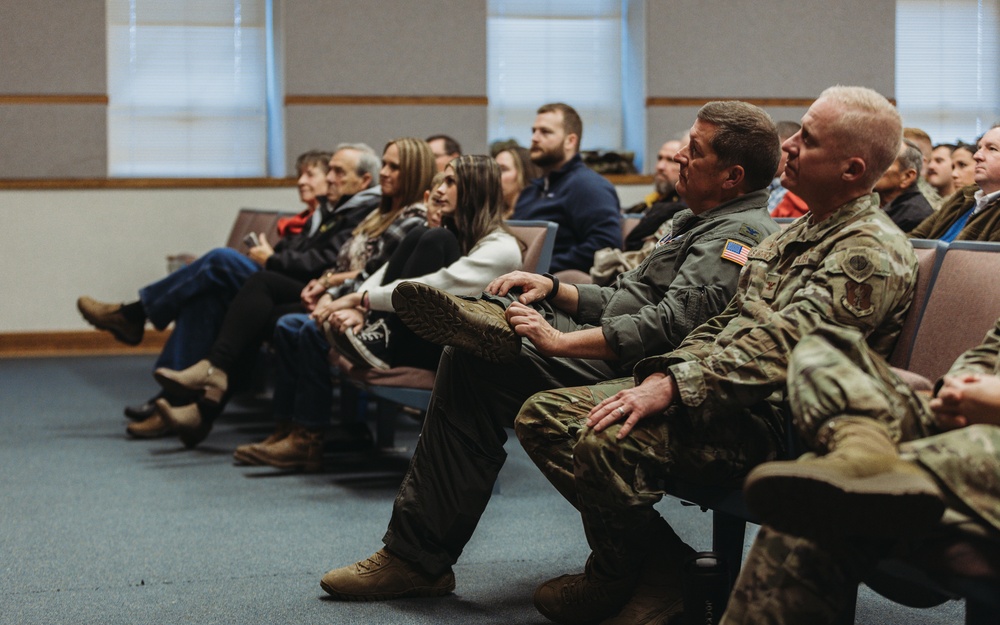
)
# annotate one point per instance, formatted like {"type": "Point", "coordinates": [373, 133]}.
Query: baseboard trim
{"type": "Point", "coordinates": [76, 343]}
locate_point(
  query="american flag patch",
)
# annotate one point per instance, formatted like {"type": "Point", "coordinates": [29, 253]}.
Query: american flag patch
{"type": "Point", "coordinates": [736, 252]}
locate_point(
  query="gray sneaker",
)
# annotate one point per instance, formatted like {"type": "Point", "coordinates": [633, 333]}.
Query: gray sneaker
{"type": "Point", "coordinates": [474, 325]}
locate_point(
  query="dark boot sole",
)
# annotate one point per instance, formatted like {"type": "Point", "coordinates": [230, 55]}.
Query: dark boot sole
{"type": "Point", "coordinates": [445, 321]}
{"type": "Point", "coordinates": [412, 593]}
{"type": "Point", "coordinates": [809, 501]}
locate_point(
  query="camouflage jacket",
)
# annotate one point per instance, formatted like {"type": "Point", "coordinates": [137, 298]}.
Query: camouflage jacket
{"type": "Point", "coordinates": [854, 269]}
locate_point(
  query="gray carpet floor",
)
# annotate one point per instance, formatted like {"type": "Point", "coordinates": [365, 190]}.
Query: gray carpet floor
{"type": "Point", "coordinates": [95, 528]}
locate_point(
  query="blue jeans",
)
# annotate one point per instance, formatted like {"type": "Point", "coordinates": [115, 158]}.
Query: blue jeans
{"type": "Point", "coordinates": [303, 389]}
{"type": "Point", "coordinates": [195, 297]}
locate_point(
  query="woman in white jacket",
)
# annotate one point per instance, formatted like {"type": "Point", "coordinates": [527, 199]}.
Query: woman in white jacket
{"type": "Point", "coordinates": [472, 247]}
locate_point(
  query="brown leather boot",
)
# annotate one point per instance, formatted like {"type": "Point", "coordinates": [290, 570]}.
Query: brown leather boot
{"type": "Point", "coordinates": [476, 326]}
{"type": "Point", "coordinates": [151, 427]}
{"type": "Point", "coordinates": [109, 317]}
{"type": "Point", "coordinates": [861, 487]}
{"type": "Point", "coordinates": [247, 454]}
{"type": "Point", "coordinates": [200, 379]}
{"type": "Point", "coordinates": [302, 449]}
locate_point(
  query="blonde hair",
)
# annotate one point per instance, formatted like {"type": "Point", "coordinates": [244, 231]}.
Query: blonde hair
{"type": "Point", "coordinates": [416, 169]}
{"type": "Point", "coordinates": [869, 127]}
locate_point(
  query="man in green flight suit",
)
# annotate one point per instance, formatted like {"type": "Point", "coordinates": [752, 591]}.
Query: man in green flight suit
{"type": "Point", "coordinates": [714, 407]}
{"type": "Point", "coordinates": [563, 335]}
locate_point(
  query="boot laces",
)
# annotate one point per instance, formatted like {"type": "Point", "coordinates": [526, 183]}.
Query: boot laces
{"type": "Point", "coordinates": [582, 590]}
{"type": "Point", "coordinates": [377, 332]}
{"type": "Point", "coordinates": [376, 560]}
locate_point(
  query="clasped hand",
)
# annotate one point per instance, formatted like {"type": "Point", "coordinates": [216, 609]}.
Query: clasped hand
{"type": "Point", "coordinates": [967, 399]}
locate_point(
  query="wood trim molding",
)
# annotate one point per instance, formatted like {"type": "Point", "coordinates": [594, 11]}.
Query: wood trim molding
{"type": "Point", "coordinates": [392, 100]}
{"type": "Point", "coordinates": [76, 343]}
{"type": "Point", "coordinates": [793, 102]}
{"type": "Point", "coordinates": [626, 179]}
{"type": "Point", "coordinates": [662, 101]}
{"type": "Point", "coordinates": [201, 183]}
{"type": "Point", "coordinates": [33, 184]}
{"type": "Point", "coordinates": [42, 98]}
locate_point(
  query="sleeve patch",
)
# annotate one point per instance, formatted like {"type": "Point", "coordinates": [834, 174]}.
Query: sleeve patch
{"type": "Point", "coordinates": [859, 264]}
{"type": "Point", "coordinates": [736, 252]}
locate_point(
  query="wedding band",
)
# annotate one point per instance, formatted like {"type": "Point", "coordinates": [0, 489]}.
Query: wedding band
{"type": "Point", "coordinates": [621, 410]}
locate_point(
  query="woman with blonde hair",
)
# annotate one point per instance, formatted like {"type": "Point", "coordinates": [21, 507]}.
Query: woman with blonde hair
{"type": "Point", "coordinates": [204, 388]}
{"type": "Point", "coordinates": [516, 171]}
{"type": "Point", "coordinates": [472, 247]}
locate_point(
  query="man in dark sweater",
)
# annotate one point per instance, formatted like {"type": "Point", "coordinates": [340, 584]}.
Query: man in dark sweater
{"type": "Point", "coordinates": [898, 192]}
{"type": "Point", "coordinates": [582, 202]}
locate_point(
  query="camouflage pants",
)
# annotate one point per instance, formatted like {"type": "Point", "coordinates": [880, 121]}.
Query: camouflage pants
{"type": "Point", "coordinates": [614, 484]}
{"type": "Point", "coordinates": [788, 580]}
{"type": "Point", "coordinates": [833, 373]}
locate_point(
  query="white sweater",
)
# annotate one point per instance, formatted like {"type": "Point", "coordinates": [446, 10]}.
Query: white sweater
{"type": "Point", "coordinates": [492, 256]}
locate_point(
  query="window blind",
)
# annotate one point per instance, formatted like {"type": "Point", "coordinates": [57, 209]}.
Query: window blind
{"type": "Point", "coordinates": [541, 51]}
{"type": "Point", "coordinates": [948, 66]}
{"type": "Point", "coordinates": [187, 88]}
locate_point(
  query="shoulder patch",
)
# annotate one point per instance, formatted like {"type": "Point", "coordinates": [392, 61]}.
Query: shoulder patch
{"type": "Point", "coordinates": [751, 233]}
{"type": "Point", "coordinates": [736, 252]}
{"type": "Point", "coordinates": [859, 263]}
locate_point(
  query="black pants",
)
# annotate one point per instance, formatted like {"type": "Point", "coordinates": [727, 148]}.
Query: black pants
{"type": "Point", "coordinates": [422, 251]}
{"type": "Point", "coordinates": [250, 320]}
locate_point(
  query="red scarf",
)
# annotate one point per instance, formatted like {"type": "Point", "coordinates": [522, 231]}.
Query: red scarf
{"type": "Point", "coordinates": [296, 224]}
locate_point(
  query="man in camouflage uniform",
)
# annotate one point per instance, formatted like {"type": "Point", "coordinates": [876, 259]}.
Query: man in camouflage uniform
{"type": "Point", "coordinates": [839, 513]}
{"type": "Point", "coordinates": [713, 408]}
{"type": "Point", "coordinates": [568, 335]}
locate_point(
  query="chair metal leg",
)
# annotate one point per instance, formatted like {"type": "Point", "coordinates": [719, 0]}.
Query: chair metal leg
{"type": "Point", "coordinates": [728, 532]}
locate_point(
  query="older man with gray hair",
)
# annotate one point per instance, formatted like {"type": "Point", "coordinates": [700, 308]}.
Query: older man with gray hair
{"type": "Point", "coordinates": [898, 190]}
{"type": "Point", "coordinates": [714, 407]}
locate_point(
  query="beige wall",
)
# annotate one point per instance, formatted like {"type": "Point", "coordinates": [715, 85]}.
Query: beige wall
{"type": "Point", "coordinates": [58, 244]}
{"type": "Point", "coordinates": [770, 49]}
{"type": "Point", "coordinates": [52, 48]}
{"type": "Point", "coordinates": [391, 48]}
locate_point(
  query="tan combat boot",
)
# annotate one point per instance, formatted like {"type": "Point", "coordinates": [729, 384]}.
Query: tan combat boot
{"type": "Point", "coordinates": [385, 576]}
{"type": "Point", "coordinates": [302, 449]}
{"type": "Point", "coordinates": [476, 326]}
{"type": "Point", "coordinates": [247, 454]}
{"type": "Point", "coordinates": [861, 487]}
{"type": "Point", "coordinates": [659, 597]}
{"type": "Point", "coordinates": [582, 598]}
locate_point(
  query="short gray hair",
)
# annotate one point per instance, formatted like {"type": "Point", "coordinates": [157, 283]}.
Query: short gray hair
{"type": "Point", "coordinates": [910, 157]}
{"type": "Point", "coordinates": [368, 160]}
{"type": "Point", "coordinates": [870, 127]}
